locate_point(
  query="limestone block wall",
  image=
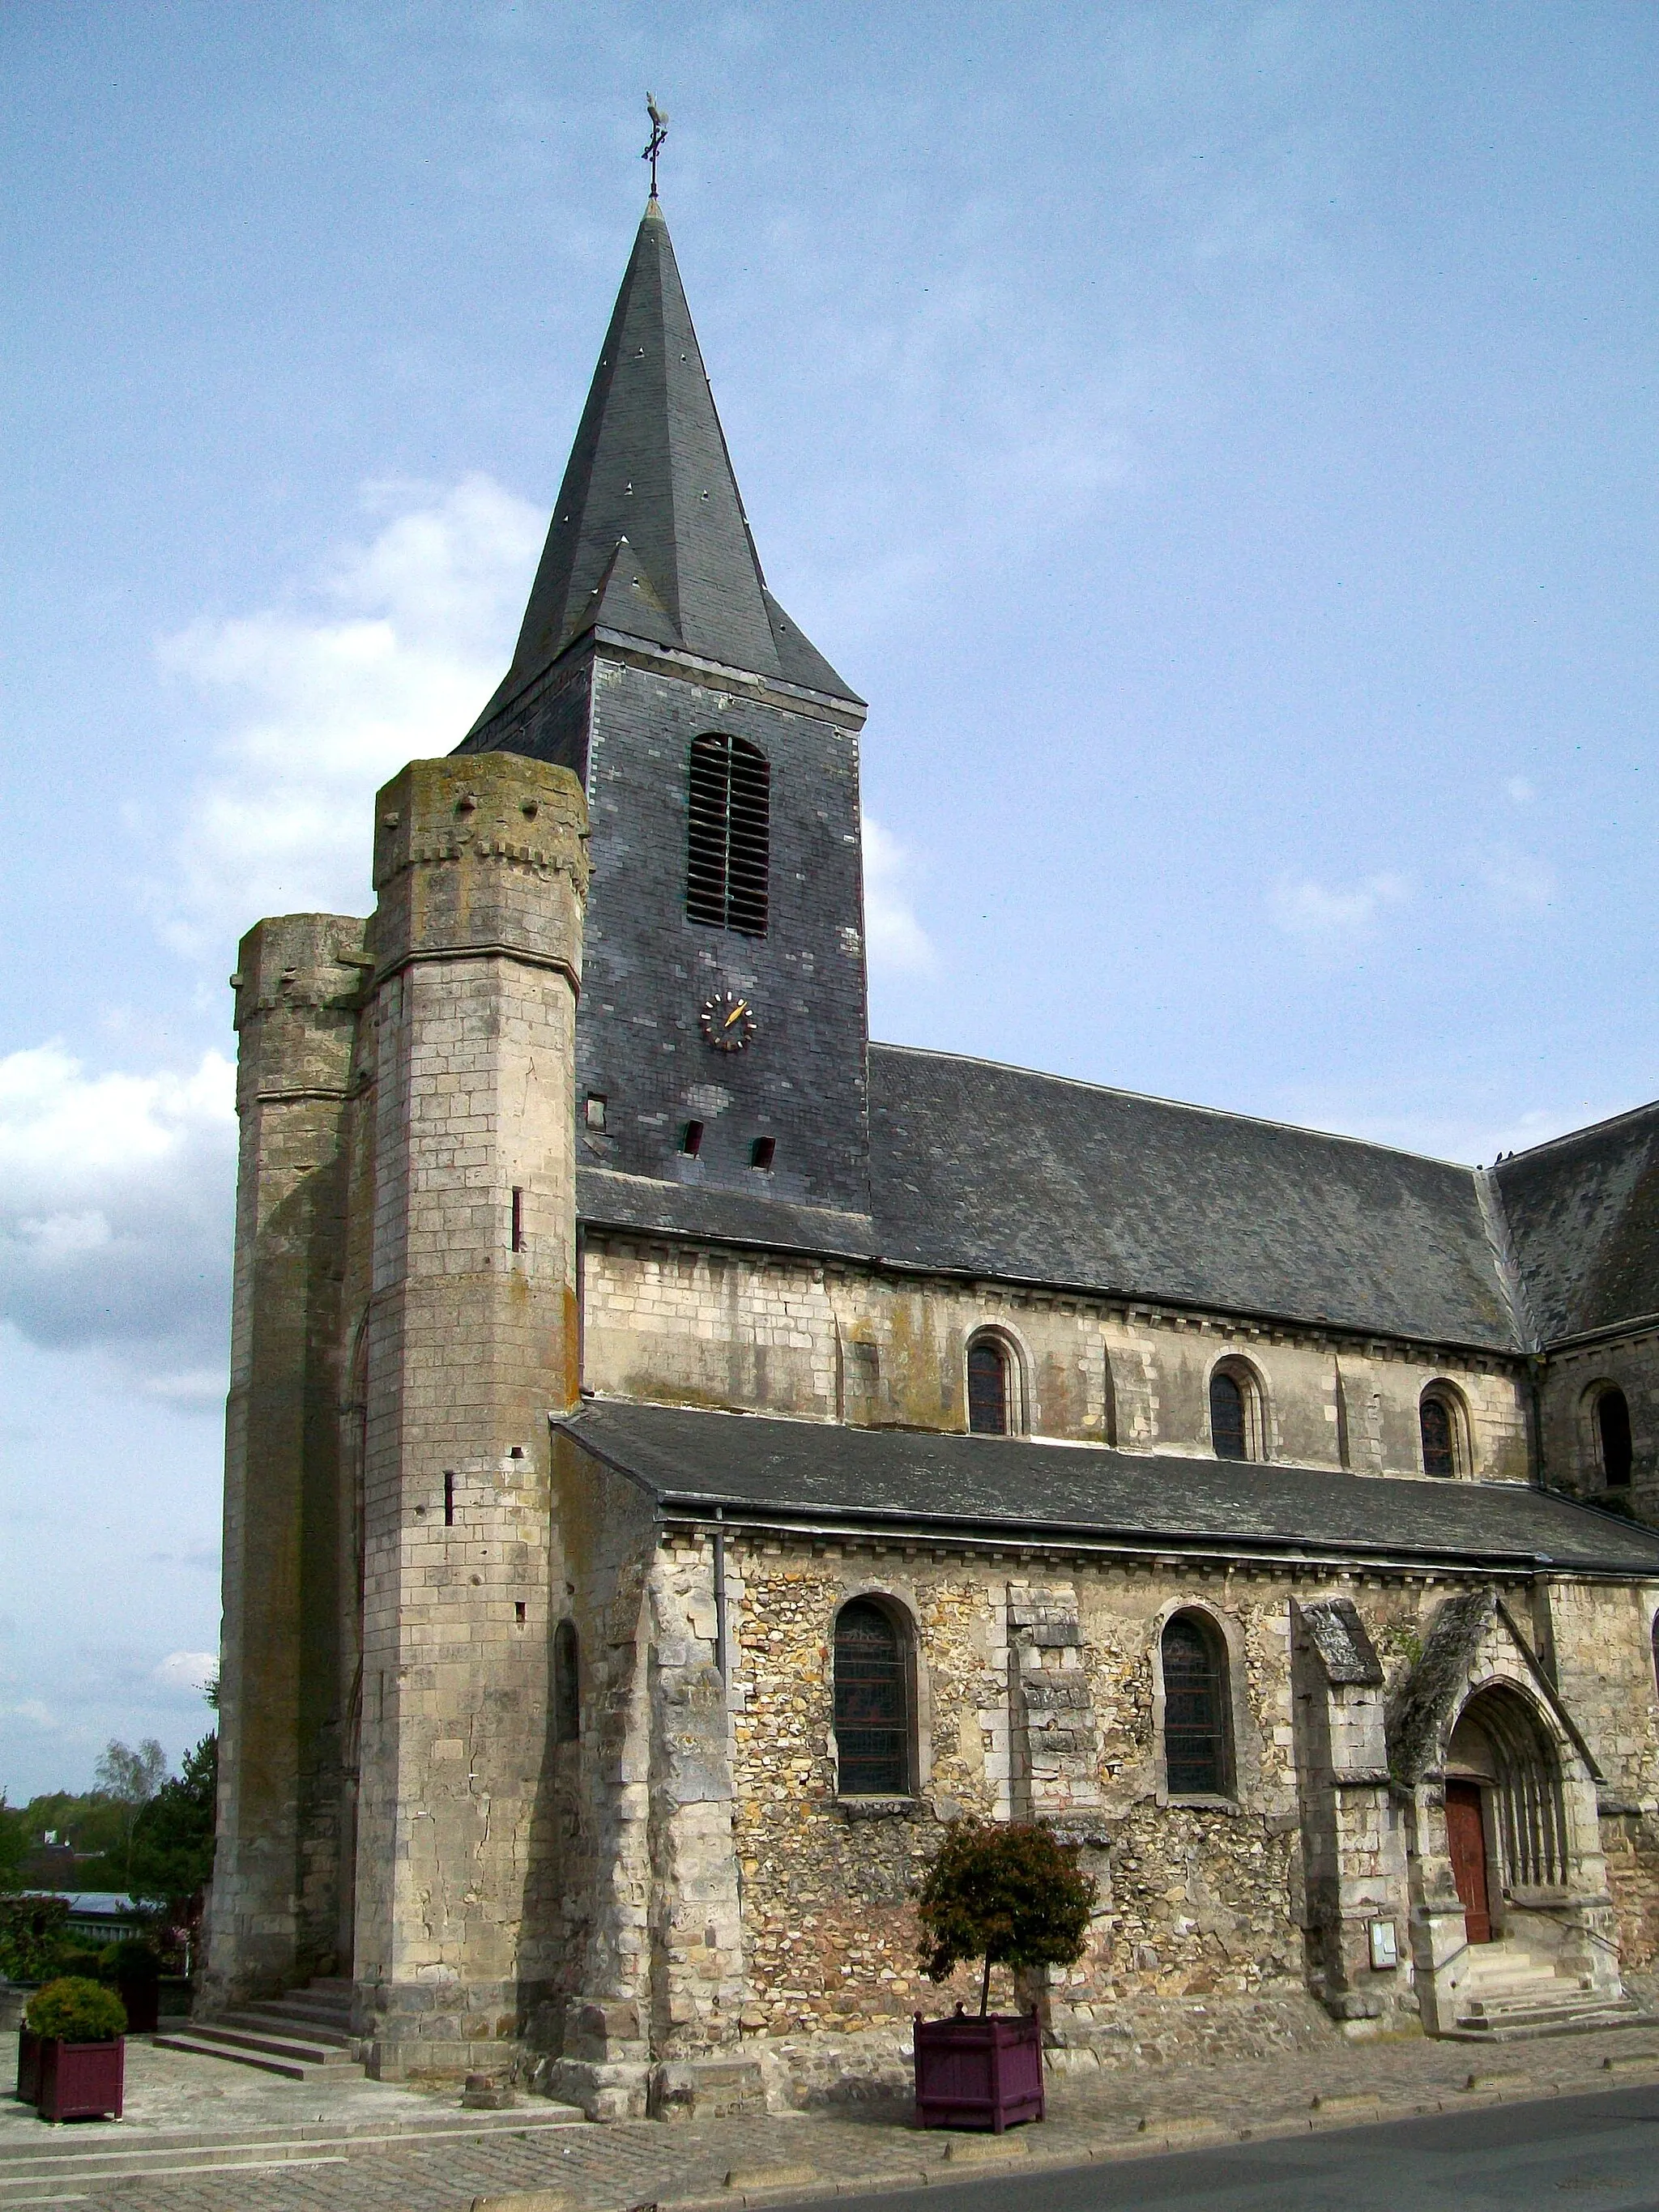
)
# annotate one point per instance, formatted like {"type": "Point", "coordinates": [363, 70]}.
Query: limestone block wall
{"type": "Point", "coordinates": [689, 1324]}
{"type": "Point", "coordinates": [1605, 1654]}
{"type": "Point", "coordinates": [285, 1679]}
{"type": "Point", "coordinates": [470, 1340]}
{"type": "Point", "coordinates": [1572, 1457]}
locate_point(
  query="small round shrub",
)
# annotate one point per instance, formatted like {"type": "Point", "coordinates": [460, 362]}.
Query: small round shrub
{"type": "Point", "coordinates": [74, 2010]}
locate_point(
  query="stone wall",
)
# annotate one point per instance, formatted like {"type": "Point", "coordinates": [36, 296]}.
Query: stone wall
{"type": "Point", "coordinates": [688, 1325]}
{"type": "Point", "coordinates": [1572, 1448]}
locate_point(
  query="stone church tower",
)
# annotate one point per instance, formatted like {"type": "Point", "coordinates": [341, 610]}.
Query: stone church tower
{"type": "Point", "coordinates": [681, 1456]}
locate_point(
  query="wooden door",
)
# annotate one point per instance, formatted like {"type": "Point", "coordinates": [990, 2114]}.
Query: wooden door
{"type": "Point", "coordinates": [1466, 1839]}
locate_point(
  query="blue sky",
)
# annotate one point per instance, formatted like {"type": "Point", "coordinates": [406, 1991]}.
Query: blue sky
{"type": "Point", "coordinates": [1218, 440]}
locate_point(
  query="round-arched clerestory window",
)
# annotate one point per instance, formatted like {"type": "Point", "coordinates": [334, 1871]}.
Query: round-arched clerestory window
{"type": "Point", "coordinates": [1237, 1426]}
{"type": "Point", "coordinates": [1443, 1431]}
{"type": "Point", "coordinates": [994, 1391]}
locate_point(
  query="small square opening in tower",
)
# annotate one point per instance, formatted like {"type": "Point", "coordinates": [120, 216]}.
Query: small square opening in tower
{"type": "Point", "coordinates": [593, 1110]}
{"type": "Point", "coordinates": [763, 1152]}
{"type": "Point", "coordinates": [691, 1139]}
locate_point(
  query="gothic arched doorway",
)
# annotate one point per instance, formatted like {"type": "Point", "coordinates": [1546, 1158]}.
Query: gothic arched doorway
{"type": "Point", "coordinates": [1505, 1821]}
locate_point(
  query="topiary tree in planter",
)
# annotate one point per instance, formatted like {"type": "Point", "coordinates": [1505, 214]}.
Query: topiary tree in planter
{"type": "Point", "coordinates": [71, 2053]}
{"type": "Point", "coordinates": [1011, 1896]}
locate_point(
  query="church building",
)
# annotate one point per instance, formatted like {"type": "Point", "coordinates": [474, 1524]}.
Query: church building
{"type": "Point", "coordinates": [682, 1454]}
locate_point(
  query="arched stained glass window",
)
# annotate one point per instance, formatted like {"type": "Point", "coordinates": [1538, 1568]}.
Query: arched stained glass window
{"type": "Point", "coordinates": [872, 1702]}
{"type": "Point", "coordinates": [1195, 1709]}
{"type": "Point", "coordinates": [728, 836]}
{"type": "Point", "coordinates": [567, 1684]}
{"type": "Point", "coordinates": [1439, 1436]}
{"type": "Point", "coordinates": [989, 1392]}
{"type": "Point", "coordinates": [1228, 1426]}
{"type": "Point", "coordinates": [1612, 1427]}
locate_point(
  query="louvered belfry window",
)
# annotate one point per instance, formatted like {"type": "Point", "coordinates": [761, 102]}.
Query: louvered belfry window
{"type": "Point", "coordinates": [1195, 1715]}
{"type": "Point", "coordinates": [728, 846]}
{"type": "Point", "coordinates": [872, 1701]}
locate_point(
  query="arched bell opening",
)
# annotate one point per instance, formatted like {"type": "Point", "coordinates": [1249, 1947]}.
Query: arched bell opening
{"type": "Point", "coordinates": [1506, 1825]}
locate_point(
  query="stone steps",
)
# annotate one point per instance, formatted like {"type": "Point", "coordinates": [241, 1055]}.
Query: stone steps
{"type": "Point", "coordinates": [251, 2053]}
{"type": "Point", "coordinates": [1573, 2014]}
{"type": "Point", "coordinates": [305, 2036]}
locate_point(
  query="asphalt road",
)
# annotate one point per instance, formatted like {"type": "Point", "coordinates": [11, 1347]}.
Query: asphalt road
{"type": "Point", "coordinates": [1597, 2154]}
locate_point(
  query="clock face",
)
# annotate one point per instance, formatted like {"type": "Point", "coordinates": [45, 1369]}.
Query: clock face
{"type": "Point", "coordinates": [727, 1020]}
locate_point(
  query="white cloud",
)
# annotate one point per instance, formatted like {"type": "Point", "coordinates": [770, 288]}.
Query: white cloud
{"type": "Point", "coordinates": [1320, 916]}
{"type": "Point", "coordinates": [1519, 883]}
{"type": "Point", "coordinates": [33, 1711]}
{"type": "Point", "coordinates": [896, 939]}
{"type": "Point", "coordinates": [397, 648]}
{"type": "Point", "coordinates": [189, 1672]}
{"type": "Point", "coordinates": [115, 1210]}
{"type": "Point", "coordinates": [1519, 791]}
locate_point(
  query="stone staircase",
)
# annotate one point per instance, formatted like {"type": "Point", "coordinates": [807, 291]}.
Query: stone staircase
{"type": "Point", "coordinates": [1511, 1994]}
{"type": "Point", "coordinates": [306, 2035]}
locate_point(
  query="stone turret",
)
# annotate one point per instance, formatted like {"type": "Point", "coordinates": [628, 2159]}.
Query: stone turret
{"type": "Point", "coordinates": [298, 985]}
{"type": "Point", "coordinates": [481, 867]}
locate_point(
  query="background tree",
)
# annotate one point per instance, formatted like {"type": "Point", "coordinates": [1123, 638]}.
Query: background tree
{"type": "Point", "coordinates": [170, 1858]}
{"type": "Point", "coordinates": [14, 1841]}
{"type": "Point", "coordinates": [129, 1779]}
{"type": "Point", "coordinates": [1010, 1895]}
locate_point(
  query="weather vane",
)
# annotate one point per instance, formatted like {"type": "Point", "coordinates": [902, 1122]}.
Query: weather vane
{"type": "Point", "coordinates": [658, 132]}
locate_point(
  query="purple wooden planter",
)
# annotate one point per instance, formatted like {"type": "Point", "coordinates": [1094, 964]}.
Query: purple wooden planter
{"type": "Point", "coordinates": [28, 2066]}
{"type": "Point", "coordinates": [81, 2081]}
{"type": "Point", "coordinates": [141, 2001]}
{"type": "Point", "coordinates": [975, 2073]}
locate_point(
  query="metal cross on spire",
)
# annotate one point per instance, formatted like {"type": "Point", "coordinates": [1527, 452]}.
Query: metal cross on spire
{"type": "Point", "coordinates": [658, 132]}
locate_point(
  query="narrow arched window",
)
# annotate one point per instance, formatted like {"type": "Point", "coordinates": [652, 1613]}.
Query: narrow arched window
{"type": "Point", "coordinates": [872, 1701]}
{"type": "Point", "coordinates": [1612, 1432]}
{"type": "Point", "coordinates": [990, 1396]}
{"type": "Point", "coordinates": [1195, 1763]}
{"type": "Point", "coordinates": [1435, 1419]}
{"type": "Point", "coordinates": [729, 838]}
{"type": "Point", "coordinates": [1228, 1416]}
{"type": "Point", "coordinates": [567, 1684]}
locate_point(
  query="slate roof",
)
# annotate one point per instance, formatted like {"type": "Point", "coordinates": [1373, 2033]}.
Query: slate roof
{"type": "Point", "coordinates": [804, 1473]}
{"type": "Point", "coordinates": [648, 535]}
{"type": "Point", "coordinates": [982, 1169]}
{"type": "Point", "coordinates": [1004, 1172]}
{"type": "Point", "coordinates": [1583, 1220]}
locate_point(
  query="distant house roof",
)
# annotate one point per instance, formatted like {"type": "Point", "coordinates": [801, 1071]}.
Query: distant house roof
{"type": "Point", "coordinates": [1583, 1217]}
{"type": "Point", "coordinates": [807, 1475]}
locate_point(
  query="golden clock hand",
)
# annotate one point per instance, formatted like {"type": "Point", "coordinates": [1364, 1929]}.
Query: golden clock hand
{"type": "Point", "coordinates": [737, 1013]}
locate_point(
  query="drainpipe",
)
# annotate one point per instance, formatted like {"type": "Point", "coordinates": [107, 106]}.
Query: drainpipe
{"type": "Point", "coordinates": [722, 1658]}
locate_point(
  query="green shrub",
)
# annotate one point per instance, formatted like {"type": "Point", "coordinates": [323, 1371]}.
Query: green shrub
{"type": "Point", "coordinates": [31, 1936]}
{"type": "Point", "coordinates": [1011, 1896]}
{"type": "Point", "coordinates": [172, 1854]}
{"type": "Point", "coordinates": [76, 2010]}
{"type": "Point", "coordinates": [83, 1960]}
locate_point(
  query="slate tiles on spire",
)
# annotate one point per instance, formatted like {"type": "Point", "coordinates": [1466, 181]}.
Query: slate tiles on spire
{"type": "Point", "coordinates": [649, 536]}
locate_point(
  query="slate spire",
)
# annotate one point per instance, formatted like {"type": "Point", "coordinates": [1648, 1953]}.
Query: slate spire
{"type": "Point", "coordinates": [649, 536]}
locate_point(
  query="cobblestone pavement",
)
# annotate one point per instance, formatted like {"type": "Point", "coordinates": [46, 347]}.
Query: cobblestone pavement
{"type": "Point", "coordinates": [208, 2137]}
